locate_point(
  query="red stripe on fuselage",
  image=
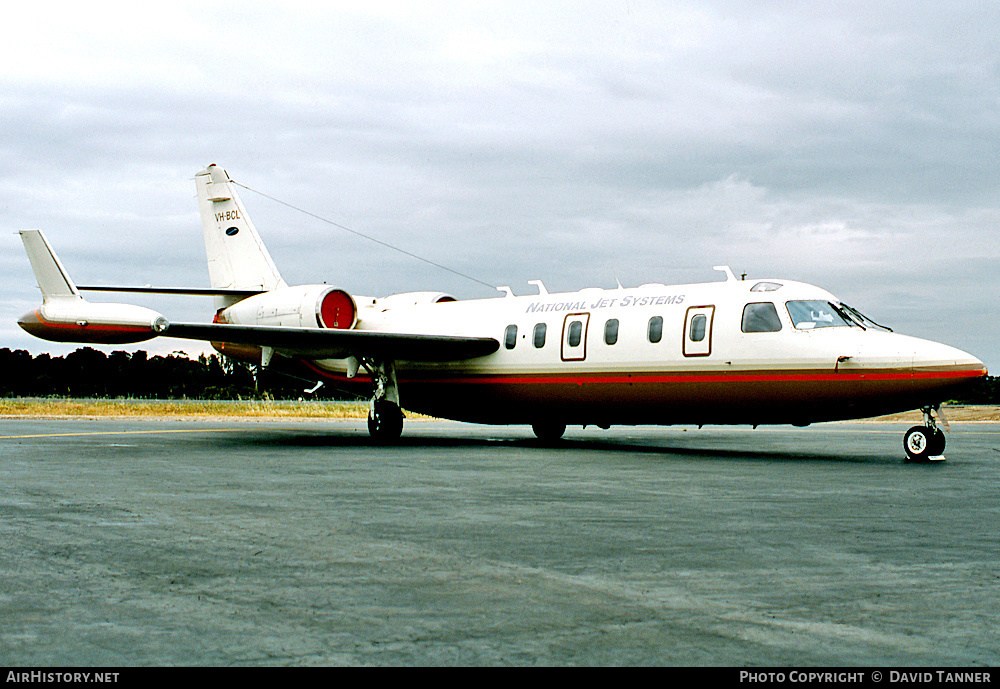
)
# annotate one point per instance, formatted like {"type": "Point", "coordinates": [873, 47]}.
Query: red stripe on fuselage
{"type": "Point", "coordinates": [686, 377]}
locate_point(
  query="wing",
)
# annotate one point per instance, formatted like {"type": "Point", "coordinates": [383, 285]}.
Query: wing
{"type": "Point", "coordinates": [65, 316]}
{"type": "Point", "coordinates": [319, 343]}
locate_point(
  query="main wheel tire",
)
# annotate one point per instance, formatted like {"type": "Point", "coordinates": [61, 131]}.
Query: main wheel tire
{"type": "Point", "coordinates": [548, 431]}
{"type": "Point", "coordinates": [921, 443]}
{"type": "Point", "coordinates": [385, 421]}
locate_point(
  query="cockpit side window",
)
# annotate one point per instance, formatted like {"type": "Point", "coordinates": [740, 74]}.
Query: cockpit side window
{"type": "Point", "coordinates": [811, 314]}
{"type": "Point", "coordinates": [761, 317]}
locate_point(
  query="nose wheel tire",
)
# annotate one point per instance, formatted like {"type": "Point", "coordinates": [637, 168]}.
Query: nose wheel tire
{"type": "Point", "coordinates": [923, 443]}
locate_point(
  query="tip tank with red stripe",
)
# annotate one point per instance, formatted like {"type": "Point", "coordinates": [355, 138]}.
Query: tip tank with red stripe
{"type": "Point", "coordinates": [77, 320]}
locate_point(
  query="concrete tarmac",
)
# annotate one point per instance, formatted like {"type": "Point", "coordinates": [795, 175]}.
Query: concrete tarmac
{"type": "Point", "coordinates": [129, 542]}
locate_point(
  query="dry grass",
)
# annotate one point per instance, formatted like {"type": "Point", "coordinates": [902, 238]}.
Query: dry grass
{"type": "Point", "coordinates": [19, 407]}
{"type": "Point", "coordinates": [262, 409]}
{"type": "Point", "coordinates": [959, 413]}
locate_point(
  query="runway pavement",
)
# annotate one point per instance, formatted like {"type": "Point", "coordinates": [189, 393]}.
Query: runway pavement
{"type": "Point", "coordinates": [149, 542]}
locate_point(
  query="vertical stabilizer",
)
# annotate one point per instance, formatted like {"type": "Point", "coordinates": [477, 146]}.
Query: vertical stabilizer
{"type": "Point", "coordinates": [52, 278]}
{"type": "Point", "coordinates": [237, 258]}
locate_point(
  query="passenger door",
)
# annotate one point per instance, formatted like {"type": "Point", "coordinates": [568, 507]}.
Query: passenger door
{"type": "Point", "coordinates": [574, 337]}
{"type": "Point", "coordinates": [698, 330]}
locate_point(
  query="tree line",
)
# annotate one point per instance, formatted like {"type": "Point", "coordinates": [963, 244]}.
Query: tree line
{"type": "Point", "coordinates": [982, 391]}
{"type": "Point", "coordinates": [88, 372]}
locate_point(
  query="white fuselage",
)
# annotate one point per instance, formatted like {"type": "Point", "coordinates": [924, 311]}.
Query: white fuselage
{"type": "Point", "coordinates": [666, 354]}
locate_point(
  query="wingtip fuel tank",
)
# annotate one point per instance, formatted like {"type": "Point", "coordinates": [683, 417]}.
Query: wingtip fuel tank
{"type": "Point", "coordinates": [82, 321]}
{"type": "Point", "coordinates": [65, 316]}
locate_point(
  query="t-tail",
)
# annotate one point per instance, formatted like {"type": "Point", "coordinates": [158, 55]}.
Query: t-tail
{"type": "Point", "coordinates": [237, 258]}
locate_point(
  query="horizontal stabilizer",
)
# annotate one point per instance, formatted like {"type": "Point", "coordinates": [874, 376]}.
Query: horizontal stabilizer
{"type": "Point", "coordinates": [196, 291]}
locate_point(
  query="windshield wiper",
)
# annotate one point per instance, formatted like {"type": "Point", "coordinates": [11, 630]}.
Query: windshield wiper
{"type": "Point", "coordinates": [860, 317]}
{"type": "Point", "coordinates": [848, 318]}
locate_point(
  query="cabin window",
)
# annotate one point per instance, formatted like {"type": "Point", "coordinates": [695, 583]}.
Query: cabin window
{"type": "Point", "coordinates": [539, 335]}
{"type": "Point", "coordinates": [655, 330]}
{"type": "Point", "coordinates": [575, 333]}
{"type": "Point", "coordinates": [510, 337]}
{"type": "Point", "coordinates": [761, 318]}
{"type": "Point", "coordinates": [808, 315]}
{"type": "Point", "coordinates": [698, 324]}
{"type": "Point", "coordinates": [611, 332]}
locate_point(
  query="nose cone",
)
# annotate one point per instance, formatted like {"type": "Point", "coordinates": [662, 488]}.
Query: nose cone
{"type": "Point", "coordinates": [942, 371]}
{"type": "Point", "coordinates": [936, 358]}
{"type": "Point", "coordinates": [914, 356]}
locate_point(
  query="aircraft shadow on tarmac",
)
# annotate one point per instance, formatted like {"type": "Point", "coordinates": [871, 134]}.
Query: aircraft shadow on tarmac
{"type": "Point", "coordinates": [705, 447]}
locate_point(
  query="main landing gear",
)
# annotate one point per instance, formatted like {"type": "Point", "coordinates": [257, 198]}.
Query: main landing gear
{"type": "Point", "coordinates": [385, 418]}
{"type": "Point", "coordinates": [548, 431]}
{"type": "Point", "coordinates": [385, 421]}
{"type": "Point", "coordinates": [926, 443]}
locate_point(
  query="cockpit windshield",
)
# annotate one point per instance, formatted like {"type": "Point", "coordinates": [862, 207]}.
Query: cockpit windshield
{"type": "Point", "coordinates": [811, 314]}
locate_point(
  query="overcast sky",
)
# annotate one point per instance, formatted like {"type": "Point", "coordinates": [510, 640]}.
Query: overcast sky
{"type": "Point", "coordinates": [851, 145]}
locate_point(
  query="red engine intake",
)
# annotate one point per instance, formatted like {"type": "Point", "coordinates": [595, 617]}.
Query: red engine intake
{"type": "Point", "coordinates": [337, 310]}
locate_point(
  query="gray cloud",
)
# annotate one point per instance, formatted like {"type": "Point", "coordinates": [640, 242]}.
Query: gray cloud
{"type": "Point", "coordinates": [851, 146]}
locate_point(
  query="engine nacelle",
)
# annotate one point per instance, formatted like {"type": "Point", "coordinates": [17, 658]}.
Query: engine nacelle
{"type": "Point", "coordinates": [306, 306]}
{"type": "Point", "coordinates": [396, 301]}
{"type": "Point", "coordinates": [73, 319]}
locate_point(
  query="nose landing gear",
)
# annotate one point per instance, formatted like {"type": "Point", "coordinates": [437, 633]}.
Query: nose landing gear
{"type": "Point", "coordinates": [926, 443]}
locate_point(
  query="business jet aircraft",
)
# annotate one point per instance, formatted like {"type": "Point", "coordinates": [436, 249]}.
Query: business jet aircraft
{"type": "Point", "coordinates": [766, 351]}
